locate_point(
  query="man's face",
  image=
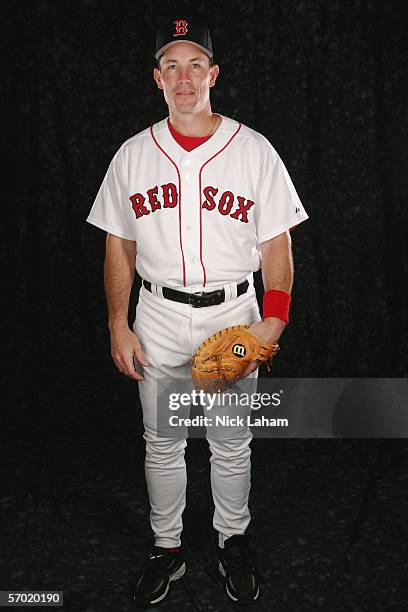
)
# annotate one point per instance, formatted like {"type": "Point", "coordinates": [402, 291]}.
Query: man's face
{"type": "Point", "coordinates": [185, 78]}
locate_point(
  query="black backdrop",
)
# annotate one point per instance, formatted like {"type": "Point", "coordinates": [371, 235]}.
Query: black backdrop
{"type": "Point", "coordinates": [326, 83]}
{"type": "Point", "coordinates": [323, 81]}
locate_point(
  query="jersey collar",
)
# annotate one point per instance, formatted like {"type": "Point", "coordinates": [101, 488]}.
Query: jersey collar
{"type": "Point", "coordinates": [205, 150]}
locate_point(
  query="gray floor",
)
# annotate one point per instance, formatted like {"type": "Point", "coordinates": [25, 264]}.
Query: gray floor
{"type": "Point", "coordinates": [75, 518]}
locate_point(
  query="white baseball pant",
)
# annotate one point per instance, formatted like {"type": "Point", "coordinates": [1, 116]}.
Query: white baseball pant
{"type": "Point", "coordinates": [170, 333]}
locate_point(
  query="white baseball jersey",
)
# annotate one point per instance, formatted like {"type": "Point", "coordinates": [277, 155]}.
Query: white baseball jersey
{"type": "Point", "coordinates": [197, 217]}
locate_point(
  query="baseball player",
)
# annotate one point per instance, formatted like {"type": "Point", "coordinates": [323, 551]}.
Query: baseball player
{"type": "Point", "coordinates": [195, 203]}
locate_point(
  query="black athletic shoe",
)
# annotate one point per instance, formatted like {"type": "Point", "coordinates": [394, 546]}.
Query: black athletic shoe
{"type": "Point", "coordinates": [236, 567]}
{"type": "Point", "coordinates": [160, 568]}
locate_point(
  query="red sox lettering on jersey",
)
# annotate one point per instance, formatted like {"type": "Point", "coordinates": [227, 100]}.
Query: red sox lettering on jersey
{"type": "Point", "coordinates": [197, 216]}
{"type": "Point", "coordinates": [226, 202]}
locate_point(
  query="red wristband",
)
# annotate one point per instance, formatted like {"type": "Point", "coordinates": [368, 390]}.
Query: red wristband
{"type": "Point", "coordinates": [276, 304]}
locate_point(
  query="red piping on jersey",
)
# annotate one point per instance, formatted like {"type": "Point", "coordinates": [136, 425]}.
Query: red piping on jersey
{"type": "Point", "coordinates": [179, 191]}
{"type": "Point", "coordinates": [201, 206]}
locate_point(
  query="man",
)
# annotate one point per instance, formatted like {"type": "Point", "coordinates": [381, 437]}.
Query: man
{"type": "Point", "coordinates": [195, 202]}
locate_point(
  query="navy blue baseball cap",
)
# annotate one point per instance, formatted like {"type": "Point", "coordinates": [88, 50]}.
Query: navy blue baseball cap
{"type": "Point", "coordinates": [183, 29]}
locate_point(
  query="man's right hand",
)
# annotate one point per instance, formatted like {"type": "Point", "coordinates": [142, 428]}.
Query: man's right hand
{"type": "Point", "coordinates": [125, 348]}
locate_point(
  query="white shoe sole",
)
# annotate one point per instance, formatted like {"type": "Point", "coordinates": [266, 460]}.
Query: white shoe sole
{"type": "Point", "coordinates": [176, 576]}
{"type": "Point", "coordinates": [230, 595]}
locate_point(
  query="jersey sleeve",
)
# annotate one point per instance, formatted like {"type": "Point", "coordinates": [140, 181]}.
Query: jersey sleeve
{"type": "Point", "coordinates": [111, 210]}
{"type": "Point", "coordinates": [278, 207]}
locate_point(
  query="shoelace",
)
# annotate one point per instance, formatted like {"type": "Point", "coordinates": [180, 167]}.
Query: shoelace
{"type": "Point", "coordinates": [238, 560]}
{"type": "Point", "coordinates": [156, 560]}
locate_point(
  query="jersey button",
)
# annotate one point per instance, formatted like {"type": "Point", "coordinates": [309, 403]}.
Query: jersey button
{"type": "Point", "coordinates": [188, 227]}
{"type": "Point", "coordinates": [192, 260]}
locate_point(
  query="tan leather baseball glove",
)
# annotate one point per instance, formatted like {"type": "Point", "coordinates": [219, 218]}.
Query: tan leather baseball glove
{"type": "Point", "coordinates": [221, 359]}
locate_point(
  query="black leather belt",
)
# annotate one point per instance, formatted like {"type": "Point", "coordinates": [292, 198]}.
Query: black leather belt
{"type": "Point", "coordinates": [200, 298]}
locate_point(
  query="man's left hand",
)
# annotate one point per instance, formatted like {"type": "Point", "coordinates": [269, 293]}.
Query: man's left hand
{"type": "Point", "coordinates": [268, 331]}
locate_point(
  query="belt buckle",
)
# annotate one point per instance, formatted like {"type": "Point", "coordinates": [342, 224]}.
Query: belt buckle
{"type": "Point", "coordinates": [205, 298]}
{"type": "Point", "coordinates": [194, 298]}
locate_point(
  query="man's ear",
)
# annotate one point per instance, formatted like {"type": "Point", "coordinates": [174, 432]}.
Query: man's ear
{"type": "Point", "coordinates": [157, 78]}
{"type": "Point", "coordinates": [214, 72]}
